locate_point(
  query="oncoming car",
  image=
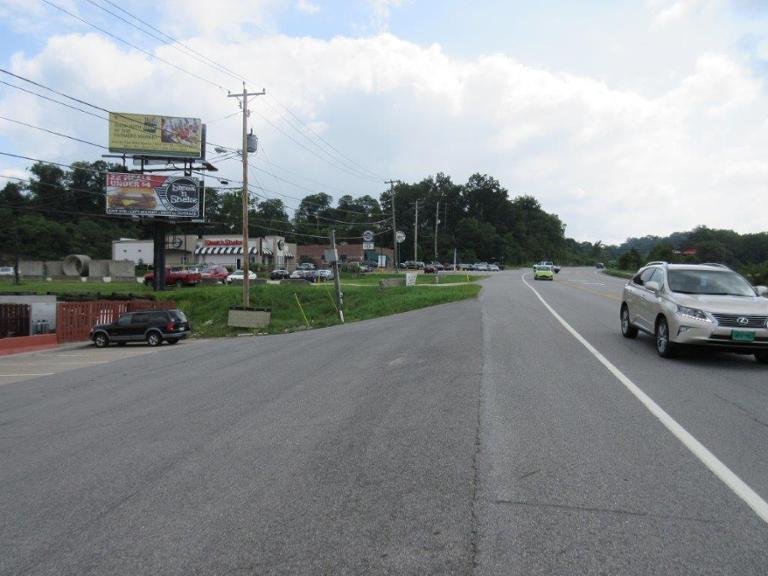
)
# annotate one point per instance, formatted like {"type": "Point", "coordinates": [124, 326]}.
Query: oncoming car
{"type": "Point", "coordinates": [706, 305]}
{"type": "Point", "coordinates": [543, 272]}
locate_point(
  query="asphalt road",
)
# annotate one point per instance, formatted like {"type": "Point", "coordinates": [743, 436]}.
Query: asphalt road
{"type": "Point", "coordinates": [474, 438]}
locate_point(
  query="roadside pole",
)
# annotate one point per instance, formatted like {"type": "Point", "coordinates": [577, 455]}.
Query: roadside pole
{"type": "Point", "coordinates": [336, 279]}
{"type": "Point", "coordinates": [416, 234]}
{"type": "Point", "coordinates": [246, 249]}
{"type": "Point", "coordinates": [396, 263]}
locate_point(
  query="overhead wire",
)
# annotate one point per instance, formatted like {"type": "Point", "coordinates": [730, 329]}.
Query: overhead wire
{"type": "Point", "coordinates": [132, 45]}
{"type": "Point", "coordinates": [340, 159]}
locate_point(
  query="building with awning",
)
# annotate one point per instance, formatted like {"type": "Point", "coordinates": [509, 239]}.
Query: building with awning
{"type": "Point", "coordinates": [210, 249]}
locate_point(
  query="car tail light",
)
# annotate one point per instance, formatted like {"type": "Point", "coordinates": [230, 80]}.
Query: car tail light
{"type": "Point", "coordinates": [170, 327]}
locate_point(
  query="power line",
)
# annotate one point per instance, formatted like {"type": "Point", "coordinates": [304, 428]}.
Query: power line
{"type": "Point", "coordinates": [53, 132]}
{"type": "Point", "coordinates": [134, 46]}
{"type": "Point", "coordinates": [166, 39]}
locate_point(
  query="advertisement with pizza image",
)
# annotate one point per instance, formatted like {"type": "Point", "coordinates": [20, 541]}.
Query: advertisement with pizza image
{"type": "Point", "coordinates": [148, 195]}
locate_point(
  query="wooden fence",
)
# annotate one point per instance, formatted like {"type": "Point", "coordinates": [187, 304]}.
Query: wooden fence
{"type": "Point", "coordinates": [14, 320]}
{"type": "Point", "coordinates": [75, 319]}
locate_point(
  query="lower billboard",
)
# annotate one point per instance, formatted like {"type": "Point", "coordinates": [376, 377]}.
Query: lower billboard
{"type": "Point", "coordinates": [148, 195]}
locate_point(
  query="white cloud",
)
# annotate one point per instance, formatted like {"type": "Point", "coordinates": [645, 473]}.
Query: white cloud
{"type": "Point", "coordinates": [307, 7]}
{"type": "Point", "coordinates": [381, 10]}
{"type": "Point", "coordinates": [612, 163]}
{"type": "Point", "coordinates": [225, 19]}
{"type": "Point", "coordinates": [668, 11]}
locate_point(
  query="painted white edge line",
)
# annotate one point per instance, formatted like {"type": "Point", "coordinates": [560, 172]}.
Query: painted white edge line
{"type": "Point", "coordinates": [739, 487]}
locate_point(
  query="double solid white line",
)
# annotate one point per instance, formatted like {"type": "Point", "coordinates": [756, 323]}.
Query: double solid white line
{"type": "Point", "coordinates": [725, 474]}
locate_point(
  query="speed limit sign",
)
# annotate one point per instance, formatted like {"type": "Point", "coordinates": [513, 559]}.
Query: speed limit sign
{"type": "Point", "coordinates": [368, 236]}
{"type": "Point", "coordinates": [400, 236]}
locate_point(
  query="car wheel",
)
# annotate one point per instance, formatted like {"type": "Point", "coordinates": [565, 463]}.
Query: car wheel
{"type": "Point", "coordinates": [762, 356]}
{"type": "Point", "coordinates": [154, 339]}
{"type": "Point", "coordinates": [173, 341]}
{"type": "Point", "coordinates": [101, 340]}
{"type": "Point", "coordinates": [627, 330]}
{"type": "Point", "coordinates": [664, 347]}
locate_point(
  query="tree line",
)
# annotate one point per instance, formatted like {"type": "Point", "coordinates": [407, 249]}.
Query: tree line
{"type": "Point", "coordinates": [58, 211]}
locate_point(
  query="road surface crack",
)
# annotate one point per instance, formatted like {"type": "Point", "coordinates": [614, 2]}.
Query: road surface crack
{"type": "Point", "coordinates": [742, 409]}
{"type": "Point", "coordinates": [601, 510]}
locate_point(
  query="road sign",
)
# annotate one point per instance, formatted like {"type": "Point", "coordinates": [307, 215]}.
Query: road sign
{"type": "Point", "coordinates": [410, 278]}
{"type": "Point", "coordinates": [400, 236]}
{"type": "Point", "coordinates": [368, 236]}
{"type": "Point", "coordinates": [369, 246]}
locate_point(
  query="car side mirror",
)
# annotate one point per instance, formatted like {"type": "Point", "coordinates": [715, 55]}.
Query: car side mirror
{"type": "Point", "coordinates": [761, 290]}
{"type": "Point", "coordinates": [653, 287]}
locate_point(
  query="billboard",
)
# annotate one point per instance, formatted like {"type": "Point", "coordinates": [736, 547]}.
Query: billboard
{"type": "Point", "coordinates": [148, 195]}
{"type": "Point", "coordinates": [155, 135]}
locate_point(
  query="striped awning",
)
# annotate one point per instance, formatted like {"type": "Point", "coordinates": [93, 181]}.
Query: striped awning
{"type": "Point", "coordinates": [216, 250]}
{"type": "Point", "coordinates": [267, 251]}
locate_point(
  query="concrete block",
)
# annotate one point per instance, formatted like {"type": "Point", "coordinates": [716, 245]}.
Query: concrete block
{"type": "Point", "coordinates": [98, 268]}
{"type": "Point", "coordinates": [32, 268]}
{"type": "Point", "coordinates": [122, 268]}
{"type": "Point", "coordinates": [53, 268]}
{"type": "Point", "coordinates": [389, 282]}
{"type": "Point", "coordinates": [253, 318]}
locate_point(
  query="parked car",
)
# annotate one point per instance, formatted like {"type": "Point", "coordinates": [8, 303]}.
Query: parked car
{"type": "Point", "coordinates": [240, 275]}
{"type": "Point", "coordinates": [305, 266]}
{"type": "Point", "coordinates": [218, 273]}
{"type": "Point", "coordinates": [706, 305]}
{"type": "Point", "coordinates": [323, 275]}
{"type": "Point", "coordinates": [481, 267]}
{"type": "Point", "coordinates": [279, 274]}
{"type": "Point", "coordinates": [542, 272]}
{"type": "Point", "coordinates": [308, 275]}
{"type": "Point", "coordinates": [151, 326]}
{"type": "Point", "coordinates": [430, 269]}
{"type": "Point", "coordinates": [6, 271]}
{"type": "Point", "coordinates": [600, 266]}
{"type": "Point", "coordinates": [176, 277]}
{"type": "Point", "coordinates": [493, 268]}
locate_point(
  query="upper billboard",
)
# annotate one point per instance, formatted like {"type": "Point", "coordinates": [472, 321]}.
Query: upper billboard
{"type": "Point", "coordinates": [130, 194]}
{"type": "Point", "coordinates": [155, 135]}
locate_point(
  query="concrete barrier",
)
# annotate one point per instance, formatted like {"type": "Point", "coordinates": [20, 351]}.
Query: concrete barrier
{"type": "Point", "coordinates": [31, 268]}
{"type": "Point", "coordinates": [53, 268]}
{"type": "Point", "coordinates": [390, 282]}
{"type": "Point", "coordinates": [122, 269]}
{"type": "Point", "coordinates": [98, 268]}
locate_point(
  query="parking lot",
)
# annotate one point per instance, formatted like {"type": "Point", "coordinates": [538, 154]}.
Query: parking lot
{"type": "Point", "coordinates": [18, 367]}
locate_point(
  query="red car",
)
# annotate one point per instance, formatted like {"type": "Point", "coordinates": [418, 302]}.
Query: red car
{"type": "Point", "coordinates": [176, 277]}
{"type": "Point", "coordinates": [218, 273]}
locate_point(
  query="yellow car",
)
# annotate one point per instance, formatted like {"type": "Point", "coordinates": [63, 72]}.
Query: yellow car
{"type": "Point", "coordinates": [543, 272]}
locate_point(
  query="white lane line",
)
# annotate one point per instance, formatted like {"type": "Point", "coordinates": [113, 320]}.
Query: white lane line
{"type": "Point", "coordinates": [739, 487]}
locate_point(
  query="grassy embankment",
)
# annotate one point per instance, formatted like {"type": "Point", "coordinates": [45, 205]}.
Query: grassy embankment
{"type": "Point", "coordinates": [618, 273]}
{"type": "Point", "coordinates": [372, 279]}
{"type": "Point", "coordinates": [207, 306]}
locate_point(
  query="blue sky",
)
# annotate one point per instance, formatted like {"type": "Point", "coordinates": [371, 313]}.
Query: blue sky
{"type": "Point", "coordinates": [624, 105]}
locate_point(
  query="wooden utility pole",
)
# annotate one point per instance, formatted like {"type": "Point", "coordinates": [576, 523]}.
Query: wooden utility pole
{"type": "Point", "coordinates": [416, 234]}
{"type": "Point", "coordinates": [246, 249]}
{"type": "Point", "coordinates": [394, 222]}
{"type": "Point", "coordinates": [437, 219]}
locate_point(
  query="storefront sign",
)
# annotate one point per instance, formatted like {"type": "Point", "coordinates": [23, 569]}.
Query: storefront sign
{"type": "Point", "coordinates": [148, 195]}
{"type": "Point", "coordinates": [155, 135]}
{"type": "Point", "coordinates": [220, 242]}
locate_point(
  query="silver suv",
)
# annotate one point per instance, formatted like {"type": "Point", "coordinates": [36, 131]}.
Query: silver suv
{"type": "Point", "coordinates": [700, 305]}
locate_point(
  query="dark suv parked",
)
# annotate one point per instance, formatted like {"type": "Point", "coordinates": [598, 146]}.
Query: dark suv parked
{"type": "Point", "coordinates": [152, 326]}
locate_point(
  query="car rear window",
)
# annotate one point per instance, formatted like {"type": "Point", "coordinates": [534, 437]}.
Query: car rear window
{"type": "Point", "coordinates": [178, 316]}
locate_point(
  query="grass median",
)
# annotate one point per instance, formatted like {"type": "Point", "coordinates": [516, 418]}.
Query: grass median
{"type": "Point", "coordinates": [208, 306]}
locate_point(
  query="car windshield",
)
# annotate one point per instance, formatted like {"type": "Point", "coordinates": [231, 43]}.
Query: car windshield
{"type": "Point", "coordinates": [709, 282]}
